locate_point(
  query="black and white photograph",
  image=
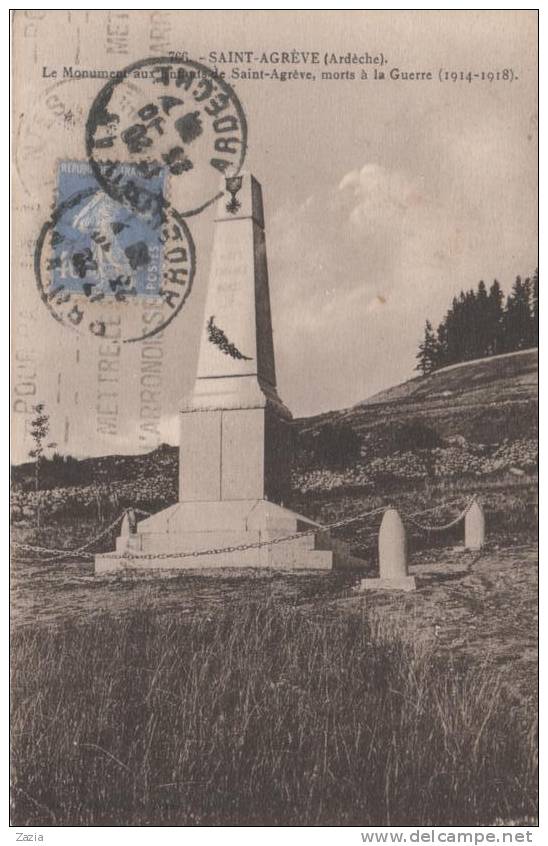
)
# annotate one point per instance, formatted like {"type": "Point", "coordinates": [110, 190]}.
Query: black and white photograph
{"type": "Point", "coordinates": [274, 423]}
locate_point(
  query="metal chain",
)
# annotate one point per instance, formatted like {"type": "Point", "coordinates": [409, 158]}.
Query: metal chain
{"type": "Point", "coordinates": [162, 556]}
{"type": "Point", "coordinates": [440, 505]}
{"type": "Point", "coordinates": [59, 553]}
{"type": "Point", "coordinates": [80, 551]}
{"type": "Point", "coordinates": [102, 534]}
{"type": "Point", "coordinates": [216, 551]}
{"type": "Point", "coordinates": [445, 526]}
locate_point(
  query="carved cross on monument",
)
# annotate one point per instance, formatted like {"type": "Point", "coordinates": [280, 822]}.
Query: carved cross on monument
{"type": "Point", "coordinates": [235, 435]}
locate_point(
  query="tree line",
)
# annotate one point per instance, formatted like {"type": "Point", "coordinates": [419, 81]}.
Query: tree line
{"type": "Point", "coordinates": [481, 323]}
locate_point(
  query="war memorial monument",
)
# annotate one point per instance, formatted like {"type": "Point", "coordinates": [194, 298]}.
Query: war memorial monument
{"type": "Point", "coordinates": [235, 432]}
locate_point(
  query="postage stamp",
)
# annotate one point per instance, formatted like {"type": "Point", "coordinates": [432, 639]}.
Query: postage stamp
{"type": "Point", "coordinates": [94, 254]}
{"type": "Point", "coordinates": [183, 118]}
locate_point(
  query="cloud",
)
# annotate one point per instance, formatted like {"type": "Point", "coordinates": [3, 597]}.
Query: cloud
{"type": "Point", "coordinates": [361, 265]}
{"type": "Point", "coordinates": [383, 197]}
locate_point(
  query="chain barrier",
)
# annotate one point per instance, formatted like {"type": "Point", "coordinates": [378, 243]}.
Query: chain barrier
{"type": "Point", "coordinates": [440, 505]}
{"type": "Point", "coordinates": [58, 552]}
{"type": "Point", "coordinates": [163, 556]}
{"type": "Point", "coordinates": [140, 511]}
{"type": "Point", "coordinates": [445, 526]}
{"type": "Point", "coordinates": [80, 552]}
{"type": "Point", "coordinates": [100, 536]}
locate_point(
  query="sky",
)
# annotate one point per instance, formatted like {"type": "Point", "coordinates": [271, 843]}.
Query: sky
{"type": "Point", "coordinates": [383, 198]}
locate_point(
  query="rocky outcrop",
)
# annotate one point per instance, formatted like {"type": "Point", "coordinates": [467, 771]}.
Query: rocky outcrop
{"type": "Point", "coordinates": [462, 459]}
{"type": "Point", "coordinates": [456, 458]}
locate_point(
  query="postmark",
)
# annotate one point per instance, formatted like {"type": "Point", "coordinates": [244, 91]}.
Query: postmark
{"type": "Point", "coordinates": [181, 118]}
{"type": "Point", "coordinates": [96, 260]}
{"type": "Point", "coordinates": [55, 121]}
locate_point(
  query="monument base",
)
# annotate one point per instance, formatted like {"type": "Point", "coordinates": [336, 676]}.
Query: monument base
{"type": "Point", "coordinates": [196, 530]}
{"type": "Point", "coordinates": [406, 583]}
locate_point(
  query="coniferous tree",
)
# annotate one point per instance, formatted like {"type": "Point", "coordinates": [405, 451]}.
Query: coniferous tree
{"type": "Point", "coordinates": [534, 308]}
{"type": "Point", "coordinates": [479, 325]}
{"type": "Point", "coordinates": [495, 328]}
{"type": "Point", "coordinates": [452, 333]}
{"type": "Point", "coordinates": [426, 356]}
{"type": "Point", "coordinates": [441, 343]}
{"type": "Point", "coordinates": [518, 320]}
{"type": "Point", "coordinates": [481, 346]}
{"type": "Point", "coordinates": [529, 322]}
{"type": "Point", "coordinates": [461, 328]}
{"type": "Point", "coordinates": [471, 333]}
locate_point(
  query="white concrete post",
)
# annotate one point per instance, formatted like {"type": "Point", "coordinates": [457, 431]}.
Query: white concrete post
{"type": "Point", "coordinates": [392, 546]}
{"type": "Point", "coordinates": [128, 531]}
{"type": "Point", "coordinates": [124, 528]}
{"type": "Point", "coordinates": [393, 573]}
{"type": "Point", "coordinates": [474, 526]}
{"type": "Point", "coordinates": [129, 523]}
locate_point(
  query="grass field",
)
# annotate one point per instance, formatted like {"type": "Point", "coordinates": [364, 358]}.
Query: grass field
{"type": "Point", "coordinates": [261, 714]}
{"type": "Point", "coordinates": [251, 697]}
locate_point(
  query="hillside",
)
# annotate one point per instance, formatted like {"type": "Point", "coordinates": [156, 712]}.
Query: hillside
{"type": "Point", "coordinates": [513, 373]}
{"type": "Point", "coordinates": [485, 401]}
{"type": "Point", "coordinates": [450, 428]}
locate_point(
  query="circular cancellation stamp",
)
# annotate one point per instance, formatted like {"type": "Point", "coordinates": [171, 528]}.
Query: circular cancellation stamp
{"type": "Point", "coordinates": [95, 259]}
{"type": "Point", "coordinates": [169, 115]}
{"type": "Point", "coordinates": [55, 121]}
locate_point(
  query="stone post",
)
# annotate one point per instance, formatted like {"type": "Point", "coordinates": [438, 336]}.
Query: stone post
{"type": "Point", "coordinates": [128, 531]}
{"type": "Point", "coordinates": [124, 528]}
{"type": "Point", "coordinates": [392, 546]}
{"type": "Point", "coordinates": [129, 524]}
{"type": "Point", "coordinates": [393, 574]}
{"type": "Point", "coordinates": [474, 526]}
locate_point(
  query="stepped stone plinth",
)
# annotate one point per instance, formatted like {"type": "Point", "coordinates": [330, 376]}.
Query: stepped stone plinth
{"type": "Point", "coordinates": [194, 527]}
{"type": "Point", "coordinates": [235, 432]}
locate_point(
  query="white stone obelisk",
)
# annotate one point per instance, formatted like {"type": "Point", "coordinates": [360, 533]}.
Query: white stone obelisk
{"type": "Point", "coordinates": [235, 441]}
{"type": "Point", "coordinates": [235, 438]}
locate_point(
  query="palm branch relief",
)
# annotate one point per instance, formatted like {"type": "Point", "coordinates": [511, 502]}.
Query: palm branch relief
{"type": "Point", "coordinates": [216, 336]}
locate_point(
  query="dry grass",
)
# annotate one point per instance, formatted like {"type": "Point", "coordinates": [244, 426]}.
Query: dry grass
{"type": "Point", "coordinates": [260, 714]}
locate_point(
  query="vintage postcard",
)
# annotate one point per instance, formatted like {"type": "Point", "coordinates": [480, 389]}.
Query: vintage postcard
{"type": "Point", "coordinates": [274, 419]}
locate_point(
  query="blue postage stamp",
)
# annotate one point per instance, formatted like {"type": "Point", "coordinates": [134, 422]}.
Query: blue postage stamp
{"type": "Point", "coordinates": [100, 247]}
